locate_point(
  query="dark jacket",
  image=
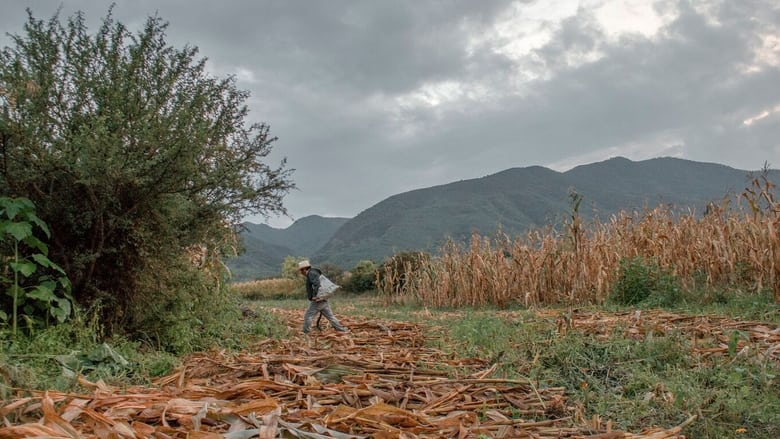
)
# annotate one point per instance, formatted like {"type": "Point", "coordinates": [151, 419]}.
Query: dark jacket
{"type": "Point", "coordinates": [312, 282]}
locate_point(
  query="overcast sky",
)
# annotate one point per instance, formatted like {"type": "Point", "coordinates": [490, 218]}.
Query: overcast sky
{"type": "Point", "coordinates": [374, 98]}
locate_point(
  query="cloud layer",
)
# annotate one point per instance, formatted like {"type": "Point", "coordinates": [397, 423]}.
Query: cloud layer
{"type": "Point", "coordinates": [370, 99]}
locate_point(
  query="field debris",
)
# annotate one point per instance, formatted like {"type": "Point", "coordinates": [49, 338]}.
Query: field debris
{"type": "Point", "coordinates": [378, 381]}
{"type": "Point", "coordinates": [710, 336]}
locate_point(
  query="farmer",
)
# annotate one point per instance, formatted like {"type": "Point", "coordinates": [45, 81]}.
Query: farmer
{"type": "Point", "coordinates": [316, 305]}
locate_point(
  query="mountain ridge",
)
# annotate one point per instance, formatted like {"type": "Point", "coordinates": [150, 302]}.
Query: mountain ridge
{"type": "Point", "coordinates": [512, 200]}
{"type": "Point", "coordinates": [522, 197]}
{"type": "Point", "coordinates": [265, 247]}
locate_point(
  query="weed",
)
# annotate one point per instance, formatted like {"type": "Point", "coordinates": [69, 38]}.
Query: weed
{"type": "Point", "coordinates": [38, 289]}
{"type": "Point", "coordinates": [53, 357]}
{"type": "Point", "coordinates": [635, 383]}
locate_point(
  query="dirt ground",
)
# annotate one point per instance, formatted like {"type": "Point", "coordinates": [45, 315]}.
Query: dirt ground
{"type": "Point", "coordinates": [380, 380]}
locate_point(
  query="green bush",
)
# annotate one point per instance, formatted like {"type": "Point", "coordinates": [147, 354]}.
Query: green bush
{"type": "Point", "coordinates": [641, 281]}
{"type": "Point", "coordinates": [362, 277]}
{"type": "Point", "coordinates": [182, 309]}
{"type": "Point", "coordinates": [290, 267]}
{"type": "Point", "coordinates": [134, 155]}
{"type": "Point", "coordinates": [333, 272]}
{"type": "Point", "coordinates": [54, 357]}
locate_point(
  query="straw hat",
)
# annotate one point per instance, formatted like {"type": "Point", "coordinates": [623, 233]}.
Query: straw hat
{"type": "Point", "coordinates": [304, 264]}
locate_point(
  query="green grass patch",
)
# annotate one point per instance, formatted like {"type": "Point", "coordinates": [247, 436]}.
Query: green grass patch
{"type": "Point", "coordinates": [656, 381]}
{"type": "Point", "coordinates": [54, 357]}
{"type": "Point", "coordinates": [635, 383]}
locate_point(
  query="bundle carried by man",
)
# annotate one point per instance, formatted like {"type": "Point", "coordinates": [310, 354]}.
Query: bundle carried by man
{"type": "Point", "coordinates": [327, 289]}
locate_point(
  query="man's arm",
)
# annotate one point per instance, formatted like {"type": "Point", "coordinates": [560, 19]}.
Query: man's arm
{"type": "Point", "coordinates": [313, 276]}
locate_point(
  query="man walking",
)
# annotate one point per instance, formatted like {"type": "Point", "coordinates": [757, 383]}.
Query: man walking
{"type": "Point", "coordinates": [316, 305]}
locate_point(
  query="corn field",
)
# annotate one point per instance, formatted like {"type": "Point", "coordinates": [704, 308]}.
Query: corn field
{"type": "Point", "coordinates": [727, 246]}
{"type": "Point", "coordinates": [269, 288]}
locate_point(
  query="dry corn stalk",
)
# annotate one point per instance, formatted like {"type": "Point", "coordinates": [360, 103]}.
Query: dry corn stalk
{"type": "Point", "coordinates": [723, 248]}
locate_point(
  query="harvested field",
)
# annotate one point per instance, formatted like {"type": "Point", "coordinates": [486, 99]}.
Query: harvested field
{"type": "Point", "coordinates": [380, 380]}
{"type": "Point", "coordinates": [709, 336]}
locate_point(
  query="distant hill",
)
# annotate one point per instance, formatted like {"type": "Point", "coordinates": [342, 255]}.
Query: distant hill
{"type": "Point", "coordinates": [266, 246]}
{"type": "Point", "coordinates": [519, 198]}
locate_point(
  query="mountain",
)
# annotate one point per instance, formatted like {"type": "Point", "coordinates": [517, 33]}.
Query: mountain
{"type": "Point", "coordinates": [620, 183]}
{"type": "Point", "coordinates": [516, 199]}
{"type": "Point", "coordinates": [266, 246]}
{"type": "Point", "coordinates": [302, 237]}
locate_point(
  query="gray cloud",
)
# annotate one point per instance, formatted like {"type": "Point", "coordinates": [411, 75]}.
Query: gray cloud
{"type": "Point", "coordinates": [370, 99]}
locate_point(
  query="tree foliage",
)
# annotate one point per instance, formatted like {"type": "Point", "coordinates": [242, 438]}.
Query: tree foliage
{"type": "Point", "coordinates": [362, 277]}
{"type": "Point", "coordinates": [132, 152]}
{"type": "Point", "coordinates": [290, 267]}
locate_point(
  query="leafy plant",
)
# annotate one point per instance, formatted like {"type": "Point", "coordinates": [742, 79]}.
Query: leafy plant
{"type": "Point", "coordinates": [332, 271]}
{"type": "Point", "coordinates": [23, 256]}
{"type": "Point", "coordinates": [290, 267]}
{"type": "Point", "coordinates": [639, 280]}
{"type": "Point", "coordinates": [362, 277]}
{"type": "Point", "coordinates": [135, 155]}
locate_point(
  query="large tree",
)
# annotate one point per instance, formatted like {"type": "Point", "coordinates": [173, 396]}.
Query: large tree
{"type": "Point", "coordinates": [132, 152]}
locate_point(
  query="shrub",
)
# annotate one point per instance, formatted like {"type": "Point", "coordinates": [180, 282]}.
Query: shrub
{"type": "Point", "coordinates": [290, 267]}
{"type": "Point", "coordinates": [134, 154]}
{"type": "Point", "coordinates": [333, 272]}
{"type": "Point", "coordinates": [362, 277]}
{"type": "Point", "coordinates": [181, 308]}
{"type": "Point", "coordinates": [640, 280]}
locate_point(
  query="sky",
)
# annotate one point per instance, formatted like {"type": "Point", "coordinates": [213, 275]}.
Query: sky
{"type": "Point", "coordinates": [369, 98]}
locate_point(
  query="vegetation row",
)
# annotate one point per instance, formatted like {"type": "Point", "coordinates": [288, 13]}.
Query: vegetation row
{"type": "Point", "coordinates": [657, 254]}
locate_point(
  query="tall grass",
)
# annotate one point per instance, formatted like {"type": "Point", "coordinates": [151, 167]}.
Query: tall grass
{"type": "Point", "coordinates": [279, 288]}
{"type": "Point", "coordinates": [735, 246]}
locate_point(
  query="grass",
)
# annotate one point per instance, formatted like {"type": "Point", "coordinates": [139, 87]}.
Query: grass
{"type": "Point", "coordinates": [741, 307]}
{"type": "Point", "coordinates": [54, 357]}
{"type": "Point", "coordinates": [634, 383]}
{"type": "Point", "coordinates": [657, 380]}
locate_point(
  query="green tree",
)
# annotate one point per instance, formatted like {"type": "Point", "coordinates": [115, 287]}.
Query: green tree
{"type": "Point", "coordinates": [362, 277]}
{"type": "Point", "coordinates": [134, 156]}
{"type": "Point", "coordinates": [290, 267]}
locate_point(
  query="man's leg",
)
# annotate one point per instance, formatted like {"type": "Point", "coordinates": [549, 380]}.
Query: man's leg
{"type": "Point", "coordinates": [326, 311]}
{"type": "Point", "coordinates": [311, 311]}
